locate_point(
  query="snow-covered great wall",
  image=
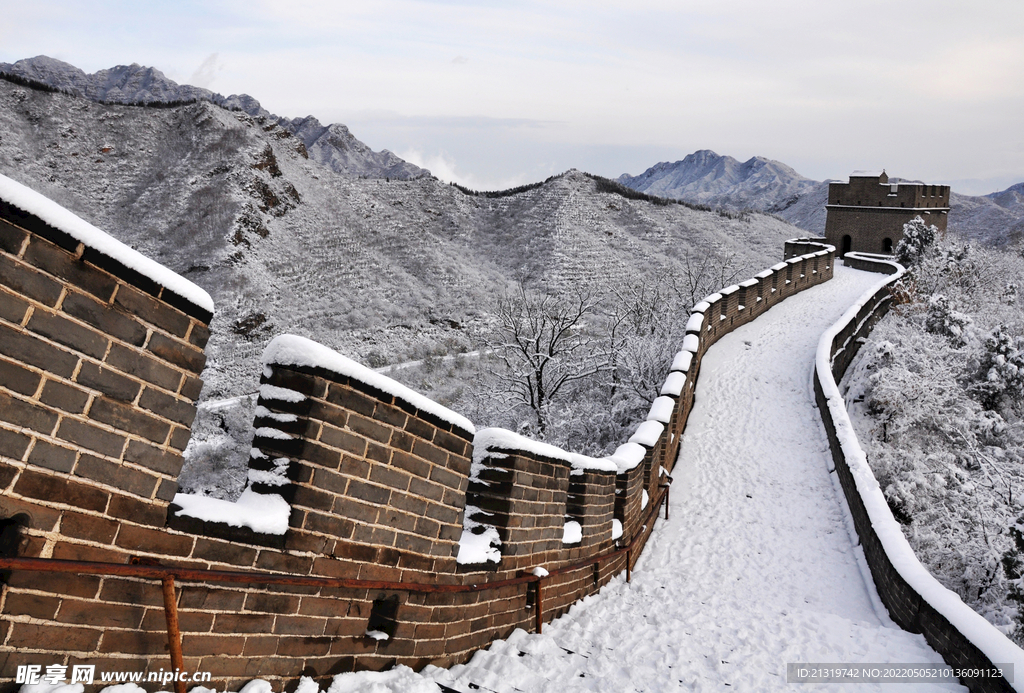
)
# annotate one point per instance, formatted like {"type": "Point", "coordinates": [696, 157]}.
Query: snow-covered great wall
{"type": "Point", "coordinates": [915, 600]}
{"type": "Point", "coordinates": [377, 527]}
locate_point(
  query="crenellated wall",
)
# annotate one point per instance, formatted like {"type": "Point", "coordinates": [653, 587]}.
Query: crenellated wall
{"type": "Point", "coordinates": [914, 598]}
{"type": "Point", "coordinates": [370, 511]}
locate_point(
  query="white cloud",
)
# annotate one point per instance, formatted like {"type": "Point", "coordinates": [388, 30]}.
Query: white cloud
{"type": "Point", "coordinates": [206, 72]}
{"type": "Point", "coordinates": [444, 167]}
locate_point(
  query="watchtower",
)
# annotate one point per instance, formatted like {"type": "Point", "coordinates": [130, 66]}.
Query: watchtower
{"type": "Point", "coordinates": [867, 213]}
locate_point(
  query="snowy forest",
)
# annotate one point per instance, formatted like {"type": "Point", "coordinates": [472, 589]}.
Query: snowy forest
{"type": "Point", "coordinates": [937, 395]}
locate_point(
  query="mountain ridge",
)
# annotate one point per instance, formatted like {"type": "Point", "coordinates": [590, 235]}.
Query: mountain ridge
{"type": "Point", "coordinates": [332, 145]}
{"type": "Point", "coordinates": [772, 187]}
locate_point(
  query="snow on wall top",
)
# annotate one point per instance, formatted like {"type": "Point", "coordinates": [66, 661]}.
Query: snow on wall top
{"type": "Point", "coordinates": [502, 439]}
{"type": "Point", "coordinates": [30, 201]}
{"type": "Point", "coordinates": [996, 646]}
{"type": "Point", "coordinates": [661, 409]}
{"type": "Point", "coordinates": [291, 350]}
{"type": "Point", "coordinates": [682, 361]}
{"type": "Point", "coordinates": [647, 433]}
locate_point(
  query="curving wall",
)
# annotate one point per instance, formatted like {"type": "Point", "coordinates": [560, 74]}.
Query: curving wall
{"type": "Point", "coordinates": [914, 599]}
{"type": "Point", "coordinates": [377, 526]}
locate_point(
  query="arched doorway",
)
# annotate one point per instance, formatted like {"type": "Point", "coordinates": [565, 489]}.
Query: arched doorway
{"type": "Point", "coordinates": [847, 242]}
{"type": "Point", "coordinates": [887, 246]}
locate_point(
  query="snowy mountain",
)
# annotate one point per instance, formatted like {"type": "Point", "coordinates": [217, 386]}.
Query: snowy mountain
{"type": "Point", "coordinates": [760, 184]}
{"type": "Point", "coordinates": [374, 267]}
{"type": "Point", "coordinates": [333, 145]}
{"type": "Point", "coordinates": [772, 187]}
{"type": "Point", "coordinates": [995, 219]}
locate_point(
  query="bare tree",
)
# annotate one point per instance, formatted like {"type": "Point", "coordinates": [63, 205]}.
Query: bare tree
{"type": "Point", "coordinates": [545, 345]}
{"type": "Point", "coordinates": [704, 274]}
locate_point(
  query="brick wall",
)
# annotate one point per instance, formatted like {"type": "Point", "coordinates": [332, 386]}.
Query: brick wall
{"type": "Point", "coordinates": [100, 375]}
{"type": "Point", "coordinates": [905, 603]}
{"type": "Point", "coordinates": [872, 213]}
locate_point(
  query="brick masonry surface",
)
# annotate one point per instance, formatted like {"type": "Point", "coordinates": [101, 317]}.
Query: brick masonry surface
{"type": "Point", "coordinates": [867, 214]}
{"type": "Point", "coordinates": [906, 607]}
{"type": "Point", "coordinates": [100, 374]}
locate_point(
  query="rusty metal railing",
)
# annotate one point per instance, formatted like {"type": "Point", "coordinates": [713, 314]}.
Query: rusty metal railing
{"type": "Point", "coordinates": [167, 575]}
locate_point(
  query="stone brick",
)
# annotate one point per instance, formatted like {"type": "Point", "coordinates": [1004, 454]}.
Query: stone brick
{"type": "Point", "coordinates": [107, 381]}
{"type": "Point", "coordinates": [30, 349]}
{"type": "Point", "coordinates": [191, 388]}
{"type": "Point", "coordinates": [332, 525]}
{"type": "Point", "coordinates": [13, 445]}
{"type": "Point", "coordinates": [420, 428]}
{"type": "Point", "coordinates": [356, 510]}
{"type": "Point", "coordinates": [223, 552]}
{"type": "Point", "coordinates": [34, 605]}
{"type": "Point", "coordinates": [411, 464]}
{"type": "Point", "coordinates": [51, 488]}
{"type": "Point", "coordinates": [370, 493]}
{"type": "Point", "coordinates": [40, 517]}
{"type": "Point", "coordinates": [304, 646]}
{"type": "Point", "coordinates": [343, 440]}
{"type": "Point", "coordinates": [170, 407]}
{"type": "Point", "coordinates": [17, 378]}
{"type": "Point", "coordinates": [90, 527]}
{"type": "Point", "coordinates": [129, 419]}
{"type": "Point", "coordinates": [91, 437]}
{"type": "Point", "coordinates": [73, 611]}
{"type": "Point", "coordinates": [61, 263]}
{"type": "Point", "coordinates": [52, 456]}
{"type": "Point", "coordinates": [199, 335]}
{"type": "Point", "coordinates": [180, 438]}
{"type": "Point", "coordinates": [154, 541]}
{"type": "Point", "coordinates": [300, 625]}
{"type": "Point", "coordinates": [63, 331]}
{"type": "Point", "coordinates": [143, 366]}
{"type": "Point", "coordinates": [64, 396]}
{"type": "Point", "coordinates": [140, 511]}
{"type": "Point", "coordinates": [152, 310]}
{"type": "Point", "coordinates": [391, 478]}
{"type": "Point", "coordinates": [117, 475]}
{"type": "Point", "coordinates": [26, 414]}
{"type": "Point", "coordinates": [272, 603]}
{"type": "Point", "coordinates": [31, 636]}
{"type": "Point", "coordinates": [179, 353]}
{"type": "Point", "coordinates": [210, 599]}
{"type": "Point", "coordinates": [284, 563]}
{"type": "Point", "coordinates": [12, 308]}
{"type": "Point", "coordinates": [11, 237]}
{"type": "Point", "coordinates": [243, 623]}
{"type": "Point", "coordinates": [26, 281]}
{"type": "Point", "coordinates": [85, 586]}
{"type": "Point", "coordinates": [196, 644]}
{"type": "Point", "coordinates": [129, 642]}
{"type": "Point", "coordinates": [347, 398]}
{"type": "Point", "coordinates": [107, 319]}
{"type": "Point", "coordinates": [167, 490]}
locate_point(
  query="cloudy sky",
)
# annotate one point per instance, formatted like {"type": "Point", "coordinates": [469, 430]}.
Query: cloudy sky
{"type": "Point", "coordinates": [495, 94]}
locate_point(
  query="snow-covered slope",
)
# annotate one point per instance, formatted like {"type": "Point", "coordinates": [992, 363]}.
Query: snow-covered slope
{"type": "Point", "coordinates": [995, 219]}
{"type": "Point", "coordinates": [334, 146]}
{"type": "Point", "coordinates": [368, 266]}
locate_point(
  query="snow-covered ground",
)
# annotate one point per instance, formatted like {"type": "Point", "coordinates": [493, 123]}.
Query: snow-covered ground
{"type": "Point", "coordinates": [756, 567]}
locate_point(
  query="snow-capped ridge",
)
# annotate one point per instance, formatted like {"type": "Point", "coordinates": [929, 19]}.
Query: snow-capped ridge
{"type": "Point", "coordinates": [140, 85]}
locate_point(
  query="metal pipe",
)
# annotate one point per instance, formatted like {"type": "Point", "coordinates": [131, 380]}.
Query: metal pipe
{"type": "Point", "coordinates": [173, 632]}
{"type": "Point", "coordinates": [540, 607]}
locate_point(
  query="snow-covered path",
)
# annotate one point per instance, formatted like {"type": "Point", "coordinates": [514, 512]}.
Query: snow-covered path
{"type": "Point", "coordinates": [756, 567]}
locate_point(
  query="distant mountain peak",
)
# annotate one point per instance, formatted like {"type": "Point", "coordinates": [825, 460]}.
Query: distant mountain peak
{"type": "Point", "coordinates": [332, 145]}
